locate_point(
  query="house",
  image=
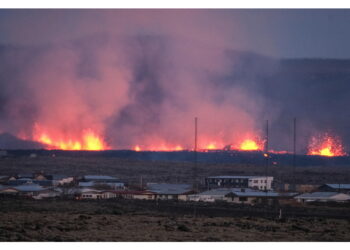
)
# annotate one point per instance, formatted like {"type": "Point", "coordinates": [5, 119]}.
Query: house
{"type": "Point", "coordinates": [47, 193]}
{"type": "Point", "coordinates": [88, 193]}
{"type": "Point", "coordinates": [29, 190]}
{"type": "Point", "coordinates": [240, 195]}
{"type": "Point", "coordinates": [108, 195]}
{"type": "Point", "coordinates": [255, 182]}
{"type": "Point", "coordinates": [165, 191]}
{"type": "Point", "coordinates": [218, 194]}
{"type": "Point", "coordinates": [252, 197]}
{"type": "Point", "coordinates": [322, 197]}
{"type": "Point", "coordinates": [5, 190]}
{"type": "Point", "coordinates": [300, 188]}
{"type": "Point", "coordinates": [341, 188]}
{"type": "Point", "coordinates": [139, 195]}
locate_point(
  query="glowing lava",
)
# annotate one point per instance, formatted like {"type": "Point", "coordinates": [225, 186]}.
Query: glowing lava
{"type": "Point", "coordinates": [160, 147]}
{"type": "Point", "coordinates": [249, 145]}
{"type": "Point", "coordinates": [87, 141]}
{"type": "Point", "coordinates": [326, 145]}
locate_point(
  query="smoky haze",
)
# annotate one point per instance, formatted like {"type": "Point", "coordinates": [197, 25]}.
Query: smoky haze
{"type": "Point", "coordinates": [142, 80]}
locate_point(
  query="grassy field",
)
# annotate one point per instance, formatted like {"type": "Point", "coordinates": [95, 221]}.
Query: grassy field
{"type": "Point", "coordinates": [121, 220]}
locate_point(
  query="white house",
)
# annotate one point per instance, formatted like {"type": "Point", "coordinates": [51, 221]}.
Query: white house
{"type": "Point", "coordinates": [323, 197]}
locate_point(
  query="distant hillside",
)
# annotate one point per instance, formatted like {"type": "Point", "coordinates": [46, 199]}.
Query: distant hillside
{"type": "Point", "coordinates": [8, 141]}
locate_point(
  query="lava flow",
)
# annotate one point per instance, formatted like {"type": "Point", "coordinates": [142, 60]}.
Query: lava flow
{"type": "Point", "coordinates": [326, 145]}
{"type": "Point", "coordinates": [160, 147]}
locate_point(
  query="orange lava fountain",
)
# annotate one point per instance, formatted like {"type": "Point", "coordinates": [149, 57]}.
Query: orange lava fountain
{"type": "Point", "coordinates": [326, 145]}
{"type": "Point", "coordinates": [249, 145]}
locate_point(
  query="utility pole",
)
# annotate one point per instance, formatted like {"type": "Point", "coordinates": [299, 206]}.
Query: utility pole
{"type": "Point", "coordinates": [294, 151]}
{"type": "Point", "coordinates": [195, 184]}
{"type": "Point", "coordinates": [266, 152]}
{"type": "Point", "coordinates": [195, 155]}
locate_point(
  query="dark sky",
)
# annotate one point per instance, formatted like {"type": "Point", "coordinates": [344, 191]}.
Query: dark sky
{"type": "Point", "coordinates": [277, 33]}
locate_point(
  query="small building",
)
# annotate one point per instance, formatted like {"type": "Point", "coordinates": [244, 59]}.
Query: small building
{"type": "Point", "coordinates": [29, 190]}
{"type": "Point", "coordinates": [255, 182]}
{"type": "Point", "coordinates": [258, 197]}
{"type": "Point", "coordinates": [60, 179]}
{"type": "Point", "coordinates": [341, 188]}
{"type": "Point", "coordinates": [213, 195]}
{"type": "Point", "coordinates": [6, 190]}
{"type": "Point", "coordinates": [165, 191]}
{"type": "Point", "coordinates": [300, 188]}
{"type": "Point", "coordinates": [87, 193]}
{"type": "Point", "coordinates": [133, 194]}
{"type": "Point", "coordinates": [323, 197]}
{"type": "Point", "coordinates": [20, 181]}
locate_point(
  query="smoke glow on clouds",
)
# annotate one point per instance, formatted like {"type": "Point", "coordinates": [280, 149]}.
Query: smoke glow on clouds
{"type": "Point", "coordinates": [135, 79]}
{"type": "Point", "coordinates": [140, 86]}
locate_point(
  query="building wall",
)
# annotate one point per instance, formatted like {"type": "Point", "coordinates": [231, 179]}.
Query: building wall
{"type": "Point", "coordinates": [91, 196]}
{"type": "Point", "coordinates": [260, 183]}
{"type": "Point", "coordinates": [143, 196]}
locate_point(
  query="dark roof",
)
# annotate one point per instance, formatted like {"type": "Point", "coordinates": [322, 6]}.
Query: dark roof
{"type": "Point", "coordinates": [130, 192]}
{"type": "Point", "coordinates": [235, 177]}
{"type": "Point", "coordinates": [29, 188]}
{"type": "Point", "coordinates": [165, 188]}
{"type": "Point", "coordinates": [268, 194]}
{"type": "Point", "coordinates": [223, 191]}
{"type": "Point", "coordinates": [337, 186]}
{"type": "Point", "coordinates": [99, 177]}
{"type": "Point", "coordinates": [318, 195]}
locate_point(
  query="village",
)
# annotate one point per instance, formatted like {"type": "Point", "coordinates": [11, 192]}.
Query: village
{"type": "Point", "coordinates": [250, 190]}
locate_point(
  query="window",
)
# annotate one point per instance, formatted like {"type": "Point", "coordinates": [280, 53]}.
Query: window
{"type": "Point", "coordinates": [243, 199]}
{"type": "Point", "coordinates": [256, 181]}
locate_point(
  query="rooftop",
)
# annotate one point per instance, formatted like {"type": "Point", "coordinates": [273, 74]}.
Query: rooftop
{"type": "Point", "coordinates": [29, 188]}
{"type": "Point", "coordinates": [223, 191]}
{"type": "Point", "coordinates": [165, 188]}
{"type": "Point", "coordinates": [99, 177]}
{"type": "Point", "coordinates": [236, 177]}
{"type": "Point", "coordinates": [342, 186]}
{"type": "Point", "coordinates": [319, 195]}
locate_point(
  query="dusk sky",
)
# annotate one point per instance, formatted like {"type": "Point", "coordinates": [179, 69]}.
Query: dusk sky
{"type": "Point", "coordinates": [277, 33]}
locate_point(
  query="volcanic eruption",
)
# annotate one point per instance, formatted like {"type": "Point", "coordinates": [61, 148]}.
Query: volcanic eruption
{"type": "Point", "coordinates": [326, 145]}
